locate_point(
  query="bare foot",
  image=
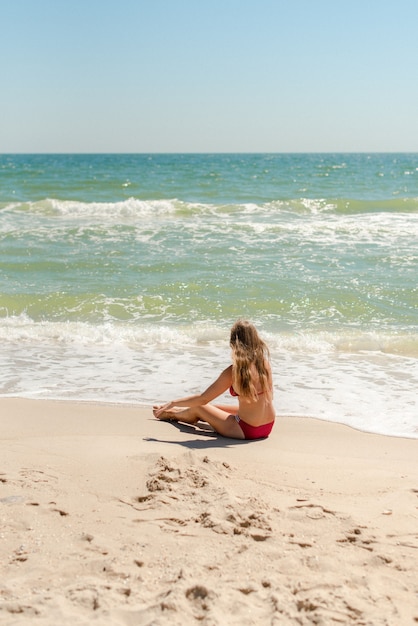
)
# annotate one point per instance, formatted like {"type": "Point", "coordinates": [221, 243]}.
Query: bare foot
{"type": "Point", "coordinates": [176, 414]}
{"type": "Point", "coordinates": [165, 415]}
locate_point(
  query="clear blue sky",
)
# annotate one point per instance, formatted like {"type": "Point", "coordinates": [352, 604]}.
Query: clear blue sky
{"type": "Point", "coordinates": [208, 75]}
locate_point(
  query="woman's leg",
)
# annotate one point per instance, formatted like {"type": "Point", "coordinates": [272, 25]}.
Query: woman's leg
{"type": "Point", "coordinates": [228, 408]}
{"type": "Point", "coordinates": [222, 421]}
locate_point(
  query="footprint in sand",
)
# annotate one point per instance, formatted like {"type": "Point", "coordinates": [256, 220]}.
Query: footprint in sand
{"type": "Point", "coordinates": [200, 598]}
{"type": "Point", "coordinates": [355, 538]}
{"type": "Point", "coordinates": [20, 609]}
{"type": "Point", "coordinates": [86, 597]}
{"type": "Point", "coordinates": [196, 492]}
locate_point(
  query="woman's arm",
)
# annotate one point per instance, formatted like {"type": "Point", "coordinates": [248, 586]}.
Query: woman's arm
{"type": "Point", "coordinates": [219, 386]}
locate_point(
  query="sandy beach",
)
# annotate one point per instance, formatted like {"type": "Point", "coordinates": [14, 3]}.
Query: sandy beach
{"type": "Point", "coordinates": [109, 516]}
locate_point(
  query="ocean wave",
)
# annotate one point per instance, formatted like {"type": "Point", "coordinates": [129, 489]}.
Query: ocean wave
{"type": "Point", "coordinates": [345, 206]}
{"type": "Point", "coordinates": [134, 208]}
{"type": "Point", "coordinates": [259, 227]}
{"type": "Point", "coordinates": [22, 329]}
{"type": "Point", "coordinates": [347, 342]}
{"type": "Point", "coordinates": [125, 209]}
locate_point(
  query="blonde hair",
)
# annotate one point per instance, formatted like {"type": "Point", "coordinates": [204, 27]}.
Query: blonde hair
{"type": "Point", "coordinates": [249, 353]}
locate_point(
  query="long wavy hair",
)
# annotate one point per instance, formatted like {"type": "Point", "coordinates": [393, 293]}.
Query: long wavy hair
{"type": "Point", "coordinates": [249, 353]}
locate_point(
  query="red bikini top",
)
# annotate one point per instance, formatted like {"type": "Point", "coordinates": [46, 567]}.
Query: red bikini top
{"type": "Point", "coordinates": [234, 393]}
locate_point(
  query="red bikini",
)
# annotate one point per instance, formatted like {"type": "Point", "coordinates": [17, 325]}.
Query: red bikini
{"type": "Point", "coordinates": [252, 432]}
{"type": "Point", "coordinates": [234, 393]}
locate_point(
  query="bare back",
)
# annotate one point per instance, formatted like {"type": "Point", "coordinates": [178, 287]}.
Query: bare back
{"type": "Point", "coordinates": [260, 411]}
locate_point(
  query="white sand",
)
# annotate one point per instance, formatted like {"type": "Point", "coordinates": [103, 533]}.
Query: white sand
{"type": "Point", "coordinates": [108, 516]}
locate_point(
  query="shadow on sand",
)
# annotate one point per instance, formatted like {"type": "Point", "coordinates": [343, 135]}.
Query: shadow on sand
{"type": "Point", "coordinates": [215, 440]}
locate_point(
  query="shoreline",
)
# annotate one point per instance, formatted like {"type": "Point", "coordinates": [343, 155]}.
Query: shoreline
{"type": "Point", "coordinates": [148, 407]}
{"type": "Point", "coordinates": [112, 515]}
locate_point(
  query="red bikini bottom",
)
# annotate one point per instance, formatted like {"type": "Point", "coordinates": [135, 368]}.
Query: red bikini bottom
{"type": "Point", "coordinates": [254, 432]}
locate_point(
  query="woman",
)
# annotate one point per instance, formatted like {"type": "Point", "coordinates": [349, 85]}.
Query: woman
{"type": "Point", "coordinates": [249, 379]}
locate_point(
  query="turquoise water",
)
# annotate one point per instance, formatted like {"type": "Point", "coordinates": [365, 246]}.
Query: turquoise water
{"type": "Point", "coordinates": [120, 276]}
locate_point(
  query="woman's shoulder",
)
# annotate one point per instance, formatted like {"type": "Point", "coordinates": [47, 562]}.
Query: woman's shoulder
{"type": "Point", "coordinates": [226, 374]}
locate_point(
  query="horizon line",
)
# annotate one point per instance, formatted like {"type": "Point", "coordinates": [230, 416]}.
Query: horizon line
{"type": "Point", "coordinates": [198, 152]}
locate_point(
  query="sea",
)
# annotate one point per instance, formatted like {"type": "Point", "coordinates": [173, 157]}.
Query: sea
{"type": "Point", "coordinates": [121, 275]}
